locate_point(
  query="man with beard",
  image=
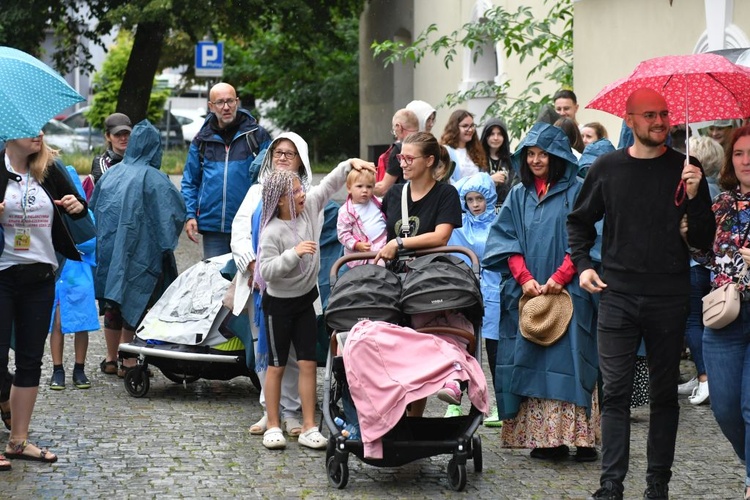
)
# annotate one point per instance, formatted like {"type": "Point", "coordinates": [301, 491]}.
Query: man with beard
{"type": "Point", "coordinates": [217, 175]}
{"type": "Point", "coordinates": [642, 192]}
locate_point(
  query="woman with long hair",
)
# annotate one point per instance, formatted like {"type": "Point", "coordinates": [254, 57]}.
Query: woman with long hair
{"type": "Point", "coordinates": [460, 135]}
{"type": "Point", "coordinates": [34, 194]}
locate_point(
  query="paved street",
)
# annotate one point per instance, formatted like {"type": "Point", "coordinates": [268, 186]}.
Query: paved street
{"type": "Point", "coordinates": [192, 442]}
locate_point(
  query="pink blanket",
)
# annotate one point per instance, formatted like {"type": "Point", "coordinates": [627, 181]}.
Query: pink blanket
{"type": "Point", "coordinates": [389, 366]}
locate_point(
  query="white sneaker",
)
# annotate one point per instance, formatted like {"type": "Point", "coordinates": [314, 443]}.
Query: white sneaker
{"type": "Point", "coordinates": [687, 388]}
{"type": "Point", "coordinates": [700, 394]}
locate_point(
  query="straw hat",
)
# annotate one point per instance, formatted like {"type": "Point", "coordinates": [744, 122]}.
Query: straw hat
{"type": "Point", "coordinates": [545, 318]}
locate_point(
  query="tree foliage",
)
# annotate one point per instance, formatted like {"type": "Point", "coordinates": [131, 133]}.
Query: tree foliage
{"type": "Point", "coordinates": [153, 23]}
{"type": "Point", "coordinates": [312, 81]}
{"type": "Point", "coordinates": [107, 84]}
{"type": "Point", "coordinates": [547, 41]}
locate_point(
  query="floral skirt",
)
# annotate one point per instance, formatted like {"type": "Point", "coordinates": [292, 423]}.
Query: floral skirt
{"type": "Point", "coordinates": [548, 423]}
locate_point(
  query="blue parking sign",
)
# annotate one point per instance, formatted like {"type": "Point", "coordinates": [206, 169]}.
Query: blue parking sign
{"type": "Point", "coordinates": [209, 59]}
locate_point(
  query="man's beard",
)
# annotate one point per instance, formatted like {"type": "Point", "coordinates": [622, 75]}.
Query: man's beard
{"type": "Point", "coordinates": [647, 141]}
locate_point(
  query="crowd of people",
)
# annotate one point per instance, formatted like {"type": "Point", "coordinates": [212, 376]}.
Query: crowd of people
{"type": "Point", "coordinates": [593, 264]}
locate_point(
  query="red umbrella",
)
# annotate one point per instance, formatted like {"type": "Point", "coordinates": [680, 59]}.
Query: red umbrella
{"type": "Point", "coordinates": [697, 87]}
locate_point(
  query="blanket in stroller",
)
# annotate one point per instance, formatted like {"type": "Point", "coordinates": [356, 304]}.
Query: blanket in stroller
{"type": "Point", "coordinates": [388, 366]}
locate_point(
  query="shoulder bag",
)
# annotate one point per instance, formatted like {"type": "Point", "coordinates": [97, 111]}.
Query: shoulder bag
{"type": "Point", "coordinates": [722, 305]}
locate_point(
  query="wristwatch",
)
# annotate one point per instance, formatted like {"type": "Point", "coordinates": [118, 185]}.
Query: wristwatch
{"type": "Point", "coordinates": [400, 242]}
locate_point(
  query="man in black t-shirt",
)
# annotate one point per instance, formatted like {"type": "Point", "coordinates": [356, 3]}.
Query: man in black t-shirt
{"type": "Point", "coordinates": [404, 123]}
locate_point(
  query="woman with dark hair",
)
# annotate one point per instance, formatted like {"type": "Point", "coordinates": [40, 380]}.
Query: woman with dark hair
{"type": "Point", "coordinates": [496, 145]}
{"type": "Point", "coordinates": [117, 129]}
{"type": "Point", "coordinates": [34, 194]}
{"type": "Point", "coordinates": [574, 135]}
{"type": "Point", "coordinates": [726, 351]}
{"type": "Point", "coordinates": [434, 208]}
{"type": "Point", "coordinates": [460, 136]}
{"type": "Point", "coordinates": [545, 393]}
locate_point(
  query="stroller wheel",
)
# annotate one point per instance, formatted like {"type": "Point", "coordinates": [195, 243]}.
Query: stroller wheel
{"type": "Point", "coordinates": [476, 453]}
{"type": "Point", "coordinates": [456, 475]}
{"type": "Point", "coordinates": [137, 382]}
{"type": "Point", "coordinates": [338, 473]}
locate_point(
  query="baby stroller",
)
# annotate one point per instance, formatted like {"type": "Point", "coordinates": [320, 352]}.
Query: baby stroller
{"type": "Point", "coordinates": [435, 280]}
{"type": "Point", "coordinates": [188, 334]}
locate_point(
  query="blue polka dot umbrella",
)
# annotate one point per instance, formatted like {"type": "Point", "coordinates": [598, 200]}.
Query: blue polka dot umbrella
{"type": "Point", "coordinates": [30, 94]}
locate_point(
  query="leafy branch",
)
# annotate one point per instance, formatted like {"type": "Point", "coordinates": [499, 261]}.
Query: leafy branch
{"type": "Point", "coordinates": [546, 40]}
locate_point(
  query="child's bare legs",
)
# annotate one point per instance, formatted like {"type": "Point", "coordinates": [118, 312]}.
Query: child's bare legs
{"type": "Point", "coordinates": [112, 338]}
{"type": "Point", "coordinates": [81, 344]}
{"type": "Point", "coordinates": [417, 408]}
{"type": "Point", "coordinates": [56, 341]}
{"type": "Point", "coordinates": [307, 392]}
{"type": "Point", "coordinates": [272, 389]}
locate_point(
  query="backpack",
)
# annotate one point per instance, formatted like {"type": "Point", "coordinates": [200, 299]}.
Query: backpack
{"type": "Point", "coordinates": [383, 164]}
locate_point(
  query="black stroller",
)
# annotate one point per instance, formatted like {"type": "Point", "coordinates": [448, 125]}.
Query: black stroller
{"type": "Point", "coordinates": [188, 335]}
{"type": "Point", "coordinates": [435, 280]}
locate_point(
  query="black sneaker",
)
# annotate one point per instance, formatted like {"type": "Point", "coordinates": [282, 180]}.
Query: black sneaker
{"type": "Point", "coordinates": [80, 380]}
{"type": "Point", "coordinates": [657, 489]}
{"type": "Point", "coordinates": [608, 491]}
{"type": "Point", "coordinates": [57, 382]}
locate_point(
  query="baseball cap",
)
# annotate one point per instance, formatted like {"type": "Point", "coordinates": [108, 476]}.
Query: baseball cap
{"type": "Point", "coordinates": [117, 122]}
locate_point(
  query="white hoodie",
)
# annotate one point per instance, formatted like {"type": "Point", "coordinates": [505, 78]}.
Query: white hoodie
{"type": "Point", "coordinates": [423, 111]}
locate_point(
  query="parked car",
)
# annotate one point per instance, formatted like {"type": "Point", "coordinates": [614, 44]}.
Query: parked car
{"type": "Point", "coordinates": [60, 136]}
{"type": "Point", "coordinates": [80, 124]}
{"type": "Point", "coordinates": [191, 120]}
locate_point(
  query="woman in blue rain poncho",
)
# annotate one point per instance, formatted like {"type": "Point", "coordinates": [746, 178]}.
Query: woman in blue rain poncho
{"type": "Point", "coordinates": [546, 394]}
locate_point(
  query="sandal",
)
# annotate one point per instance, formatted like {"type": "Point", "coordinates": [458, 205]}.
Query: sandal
{"type": "Point", "coordinates": [24, 451]}
{"type": "Point", "coordinates": [108, 367]}
{"type": "Point", "coordinates": [273, 439]}
{"type": "Point", "coordinates": [259, 427]}
{"type": "Point", "coordinates": [312, 438]}
{"type": "Point", "coordinates": [292, 426]}
{"type": "Point", "coordinates": [4, 463]}
{"type": "Point", "coordinates": [5, 415]}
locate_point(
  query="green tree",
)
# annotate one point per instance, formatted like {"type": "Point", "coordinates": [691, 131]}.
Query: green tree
{"type": "Point", "coordinates": [546, 40]}
{"type": "Point", "coordinates": [108, 81]}
{"type": "Point", "coordinates": [312, 82]}
{"type": "Point", "coordinates": [153, 22]}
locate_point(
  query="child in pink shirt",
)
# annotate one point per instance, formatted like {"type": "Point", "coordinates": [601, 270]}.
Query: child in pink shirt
{"type": "Point", "coordinates": [361, 223]}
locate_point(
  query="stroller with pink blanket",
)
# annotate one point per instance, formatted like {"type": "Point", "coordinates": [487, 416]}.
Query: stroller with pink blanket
{"type": "Point", "coordinates": [396, 339]}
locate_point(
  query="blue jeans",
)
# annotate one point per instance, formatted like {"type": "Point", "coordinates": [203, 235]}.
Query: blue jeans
{"type": "Point", "coordinates": [215, 243]}
{"type": "Point", "coordinates": [727, 355]}
{"type": "Point", "coordinates": [624, 320]}
{"type": "Point", "coordinates": [700, 285]}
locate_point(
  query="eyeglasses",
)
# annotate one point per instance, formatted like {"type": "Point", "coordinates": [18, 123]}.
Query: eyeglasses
{"type": "Point", "coordinates": [225, 102]}
{"type": "Point", "coordinates": [650, 116]}
{"type": "Point", "coordinates": [408, 159]}
{"type": "Point", "coordinates": [289, 155]}
{"type": "Point", "coordinates": [467, 127]}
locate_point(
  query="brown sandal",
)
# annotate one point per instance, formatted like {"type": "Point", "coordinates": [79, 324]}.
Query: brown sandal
{"type": "Point", "coordinates": [19, 451]}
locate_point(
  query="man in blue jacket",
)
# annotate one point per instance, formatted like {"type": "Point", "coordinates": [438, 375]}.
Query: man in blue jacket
{"type": "Point", "coordinates": [217, 173]}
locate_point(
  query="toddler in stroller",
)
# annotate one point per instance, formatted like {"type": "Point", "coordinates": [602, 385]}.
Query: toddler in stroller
{"type": "Point", "coordinates": [384, 366]}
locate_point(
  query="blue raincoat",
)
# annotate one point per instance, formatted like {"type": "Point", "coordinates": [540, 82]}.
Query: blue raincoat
{"type": "Point", "coordinates": [140, 215]}
{"type": "Point", "coordinates": [534, 228]}
{"type": "Point", "coordinates": [74, 290]}
{"type": "Point", "coordinates": [591, 152]}
{"type": "Point", "coordinates": [473, 235]}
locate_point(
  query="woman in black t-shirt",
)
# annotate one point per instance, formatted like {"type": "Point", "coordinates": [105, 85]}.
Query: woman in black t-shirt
{"type": "Point", "coordinates": [434, 208]}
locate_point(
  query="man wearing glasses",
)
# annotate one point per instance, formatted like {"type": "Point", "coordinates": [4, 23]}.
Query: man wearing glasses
{"type": "Point", "coordinates": [404, 122]}
{"type": "Point", "coordinates": [217, 175]}
{"type": "Point", "coordinates": [642, 192]}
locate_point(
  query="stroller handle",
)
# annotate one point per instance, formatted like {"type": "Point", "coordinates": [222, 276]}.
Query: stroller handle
{"type": "Point", "coordinates": [417, 253]}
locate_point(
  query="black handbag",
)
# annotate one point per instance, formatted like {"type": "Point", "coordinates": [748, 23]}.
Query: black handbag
{"type": "Point", "coordinates": [82, 229]}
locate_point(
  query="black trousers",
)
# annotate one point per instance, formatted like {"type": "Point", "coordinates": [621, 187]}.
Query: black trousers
{"type": "Point", "coordinates": [26, 296]}
{"type": "Point", "coordinates": [623, 320]}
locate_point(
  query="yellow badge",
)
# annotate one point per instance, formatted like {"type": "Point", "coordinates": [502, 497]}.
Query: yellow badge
{"type": "Point", "coordinates": [22, 240]}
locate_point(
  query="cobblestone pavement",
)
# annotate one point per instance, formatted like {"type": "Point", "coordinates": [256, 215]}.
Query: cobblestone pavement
{"type": "Point", "coordinates": [192, 442]}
